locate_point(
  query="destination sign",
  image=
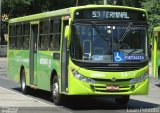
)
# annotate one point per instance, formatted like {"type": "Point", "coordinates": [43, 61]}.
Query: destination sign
{"type": "Point", "coordinates": [110, 14]}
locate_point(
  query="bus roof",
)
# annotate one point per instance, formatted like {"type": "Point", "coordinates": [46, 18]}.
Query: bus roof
{"type": "Point", "coordinates": [67, 11]}
{"type": "Point", "coordinates": [40, 15]}
{"type": "Point", "coordinates": [109, 6]}
{"type": "Point", "coordinates": [156, 29]}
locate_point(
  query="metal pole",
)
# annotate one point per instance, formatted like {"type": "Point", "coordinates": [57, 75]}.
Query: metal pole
{"type": "Point", "coordinates": [114, 2]}
{"type": "Point", "coordinates": [105, 2]}
{"type": "Point", "coordinates": [76, 2]}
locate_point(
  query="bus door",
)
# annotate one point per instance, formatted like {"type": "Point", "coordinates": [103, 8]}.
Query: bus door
{"type": "Point", "coordinates": [64, 57]}
{"type": "Point", "coordinates": [33, 52]}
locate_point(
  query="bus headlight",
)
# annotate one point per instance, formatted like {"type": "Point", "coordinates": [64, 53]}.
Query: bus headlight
{"type": "Point", "coordinates": [81, 77]}
{"type": "Point", "coordinates": [139, 79]}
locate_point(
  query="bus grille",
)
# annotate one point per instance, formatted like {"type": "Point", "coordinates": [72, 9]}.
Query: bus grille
{"type": "Point", "coordinates": [124, 85]}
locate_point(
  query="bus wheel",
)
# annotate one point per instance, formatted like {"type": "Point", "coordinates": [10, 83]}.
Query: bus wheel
{"type": "Point", "coordinates": [123, 100]}
{"type": "Point", "coordinates": [56, 96]}
{"type": "Point", "coordinates": [24, 87]}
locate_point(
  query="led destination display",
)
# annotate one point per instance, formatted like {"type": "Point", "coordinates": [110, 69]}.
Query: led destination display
{"type": "Point", "coordinates": [110, 14]}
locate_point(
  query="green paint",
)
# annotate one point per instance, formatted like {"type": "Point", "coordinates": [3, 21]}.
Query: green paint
{"type": "Point", "coordinates": [155, 51]}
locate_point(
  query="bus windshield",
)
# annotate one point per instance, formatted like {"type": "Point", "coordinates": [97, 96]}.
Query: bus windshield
{"type": "Point", "coordinates": [95, 42]}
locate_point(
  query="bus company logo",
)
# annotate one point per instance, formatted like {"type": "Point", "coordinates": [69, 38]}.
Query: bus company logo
{"type": "Point", "coordinates": [98, 75]}
{"type": "Point", "coordinates": [113, 79]}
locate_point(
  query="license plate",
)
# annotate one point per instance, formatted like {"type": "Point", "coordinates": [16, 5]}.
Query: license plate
{"type": "Point", "coordinates": [112, 88]}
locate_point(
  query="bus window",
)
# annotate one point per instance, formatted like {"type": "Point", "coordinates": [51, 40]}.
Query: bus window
{"type": "Point", "coordinates": [26, 42]}
{"type": "Point", "coordinates": [18, 30]}
{"type": "Point", "coordinates": [55, 29]}
{"type": "Point", "coordinates": [44, 35]}
{"type": "Point", "coordinates": [12, 30]}
{"type": "Point", "coordinates": [18, 36]}
{"type": "Point", "coordinates": [43, 42]}
{"type": "Point", "coordinates": [25, 35]}
{"type": "Point", "coordinates": [12, 34]}
{"type": "Point", "coordinates": [55, 42]}
{"type": "Point", "coordinates": [55, 26]}
{"type": "Point", "coordinates": [44, 27]}
{"type": "Point", "coordinates": [12, 42]}
{"type": "Point", "coordinates": [26, 29]}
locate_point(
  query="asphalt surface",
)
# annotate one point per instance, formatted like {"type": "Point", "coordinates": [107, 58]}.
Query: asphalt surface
{"type": "Point", "coordinates": [148, 103]}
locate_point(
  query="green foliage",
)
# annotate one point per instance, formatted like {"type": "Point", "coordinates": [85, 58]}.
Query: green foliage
{"type": "Point", "coordinates": [3, 29]}
{"type": "Point", "coordinates": [15, 8]}
{"type": "Point", "coordinates": [131, 3]}
{"type": "Point", "coordinates": [153, 9]}
{"type": "Point", "coordinates": [86, 2]}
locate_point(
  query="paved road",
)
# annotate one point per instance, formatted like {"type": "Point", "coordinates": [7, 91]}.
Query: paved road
{"type": "Point", "coordinates": [38, 101]}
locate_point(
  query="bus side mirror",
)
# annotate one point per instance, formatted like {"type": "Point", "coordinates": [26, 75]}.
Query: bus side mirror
{"type": "Point", "coordinates": [67, 30]}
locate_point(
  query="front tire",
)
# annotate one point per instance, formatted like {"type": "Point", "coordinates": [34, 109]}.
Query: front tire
{"type": "Point", "coordinates": [24, 87]}
{"type": "Point", "coordinates": [123, 100]}
{"type": "Point", "coordinates": [56, 96]}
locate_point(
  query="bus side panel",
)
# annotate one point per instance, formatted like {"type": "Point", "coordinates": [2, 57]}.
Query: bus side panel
{"type": "Point", "coordinates": [42, 70]}
{"type": "Point", "coordinates": [11, 65]}
{"type": "Point", "coordinates": [45, 65]}
{"type": "Point", "coordinates": [16, 59]}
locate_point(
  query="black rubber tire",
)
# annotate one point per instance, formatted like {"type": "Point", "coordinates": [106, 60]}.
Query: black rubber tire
{"type": "Point", "coordinates": [57, 98]}
{"type": "Point", "coordinates": [123, 100]}
{"type": "Point", "coordinates": [24, 87]}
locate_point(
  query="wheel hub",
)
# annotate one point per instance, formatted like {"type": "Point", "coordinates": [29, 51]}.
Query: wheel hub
{"type": "Point", "coordinates": [23, 83]}
{"type": "Point", "coordinates": [55, 89]}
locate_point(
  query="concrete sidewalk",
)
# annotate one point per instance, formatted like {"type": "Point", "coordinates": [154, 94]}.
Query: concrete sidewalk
{"type": "Point", "coordinates": [10, 98]}
{"type": "Point", "coordinates": [3, 58]}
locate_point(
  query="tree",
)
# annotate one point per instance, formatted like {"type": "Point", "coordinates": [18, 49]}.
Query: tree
{"type": "Point", "coordinates": [131, 3]}
{"type": "Point", "coordinates": [3, 30]}
{"type": "Point", "coordinates": [153, 9]}
{"type": "Point", "coordinates": [86, 2]}
{"type": "Point", "coordinates": [15, 8]}
{"type": "Point", "coordinates": [11, 9]}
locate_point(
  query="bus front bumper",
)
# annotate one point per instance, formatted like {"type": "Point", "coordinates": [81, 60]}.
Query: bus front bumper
{"type": "Point", "coordinates": [77, 87]}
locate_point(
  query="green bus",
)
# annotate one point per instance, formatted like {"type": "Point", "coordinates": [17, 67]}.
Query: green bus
{"type": "Point", "coordinates": [156, 52]}
{"type": "Point", "coordinates": [91, 50]}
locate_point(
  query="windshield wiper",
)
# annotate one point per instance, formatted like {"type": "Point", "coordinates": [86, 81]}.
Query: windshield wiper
{"type": "Point", "coordinates": [126, 32]}
{"type": "Point", "coordinates": [134, 51]}
{"type": "Point", "coordinates": [99, 31]}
